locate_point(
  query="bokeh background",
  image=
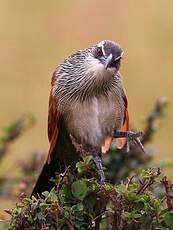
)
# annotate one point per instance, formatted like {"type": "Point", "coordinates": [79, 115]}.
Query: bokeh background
{"type": "Point", "coordinates": [37, 35]}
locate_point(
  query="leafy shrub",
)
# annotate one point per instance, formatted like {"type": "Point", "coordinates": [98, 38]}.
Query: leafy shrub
{"type": "Point", "coordinates": [78, 201]}
{"type": "Point", "coordinates": [134, 196]}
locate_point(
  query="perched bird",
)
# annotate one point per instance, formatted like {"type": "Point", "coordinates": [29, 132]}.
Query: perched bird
{"type": "Point", "coordinates": [87, 107]}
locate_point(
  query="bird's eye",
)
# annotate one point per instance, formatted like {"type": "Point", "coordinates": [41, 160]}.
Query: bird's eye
{"type": "Point", "coordinates": [99, 51]}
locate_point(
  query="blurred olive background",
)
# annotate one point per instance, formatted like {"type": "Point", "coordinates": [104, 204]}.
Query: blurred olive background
{"type": "Point", "coordinates": [37, 35]}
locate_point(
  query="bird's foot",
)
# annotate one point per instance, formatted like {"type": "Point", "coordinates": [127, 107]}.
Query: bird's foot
{"type": "Point", "coordinates": [97, 159]}
{"type": "Point", "coordinates": [99, 165]}
{"type": "Point", "coordinates": [132, 136]}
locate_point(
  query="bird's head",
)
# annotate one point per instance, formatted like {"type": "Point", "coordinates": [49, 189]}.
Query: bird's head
{"type": "Point", "coordinates": [89, 72]}
{"type": "Point", "coordinates": [108, 54]}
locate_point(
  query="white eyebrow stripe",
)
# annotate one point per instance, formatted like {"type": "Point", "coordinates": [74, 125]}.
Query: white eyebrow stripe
{"type": "Point", "coordinates": [101, 44]}
{"type": "Point", "coordinates": [122, 53]}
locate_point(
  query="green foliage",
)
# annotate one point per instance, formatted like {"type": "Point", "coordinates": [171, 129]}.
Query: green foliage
{"type": "Point", "coordinates": [168, 218]}
{"type": "Point", "coordinates": [78, 201]}
{"type": "Point", "coordinates": [79, 189]}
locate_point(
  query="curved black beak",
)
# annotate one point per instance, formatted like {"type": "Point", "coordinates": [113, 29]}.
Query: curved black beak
{"type": "Point", "coordinates": [112, 61]}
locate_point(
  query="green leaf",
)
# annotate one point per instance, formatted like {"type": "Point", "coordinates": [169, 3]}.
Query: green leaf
{"type": "Point", "coordinates": [29, 218]}
{"type": "Point", "coordinates": [53, 196]}
{"type": "Point", "coordinates": [168, 218]}
{"type": "Point", "coordinates": [46, 193]}
{"type": "Point", "coordinates": [27, 201]}
{"type": "Point", "coordinates": [79, 189]}
{"type": "Point", "coordinates": [131, 196]}
{"type": "Point", "coordinates": [156, 205]}
{"type": "Point", "coordinates": [87, 159]}
{"type": "Point", "coordinates": [44, 205]}
{"type": "Point", "coordinates": [78, 208]}
{"type": "Point", "coordinates": [65, 195]}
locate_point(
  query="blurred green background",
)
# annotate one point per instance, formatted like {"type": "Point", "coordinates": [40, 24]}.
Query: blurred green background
{"type": "Point", "coordinates": [37, 35]}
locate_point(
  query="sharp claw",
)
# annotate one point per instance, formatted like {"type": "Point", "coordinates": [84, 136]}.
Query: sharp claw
{"type": "Point", "coordinates": [135, 137]}
{"type": "Point", "coordinates": [132, 136]}
{"type": "Point", "coordinates": [138, 142]}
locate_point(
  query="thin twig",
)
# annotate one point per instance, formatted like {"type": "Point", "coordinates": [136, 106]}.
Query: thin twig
{"type": "Point", "coordinates": [62, 175]}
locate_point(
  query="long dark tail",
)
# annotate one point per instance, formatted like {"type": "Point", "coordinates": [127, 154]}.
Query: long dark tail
{"type": "Point", "coordinates": [63, 155]}
{"type": "Point", "coordinates": [44, 182]}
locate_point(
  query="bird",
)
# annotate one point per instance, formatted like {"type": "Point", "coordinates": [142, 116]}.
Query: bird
{"type": "Point", "coordinates": [88, 107]}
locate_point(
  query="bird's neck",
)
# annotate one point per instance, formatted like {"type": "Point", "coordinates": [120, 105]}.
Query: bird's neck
{"type": "Point", "coordinates": [91, 81]}
{"type": "Point", "coordinates": [85, 90]}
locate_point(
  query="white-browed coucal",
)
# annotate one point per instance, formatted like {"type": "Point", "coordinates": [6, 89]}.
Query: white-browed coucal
{"type": "Point", "coordinates": [87, 107]}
